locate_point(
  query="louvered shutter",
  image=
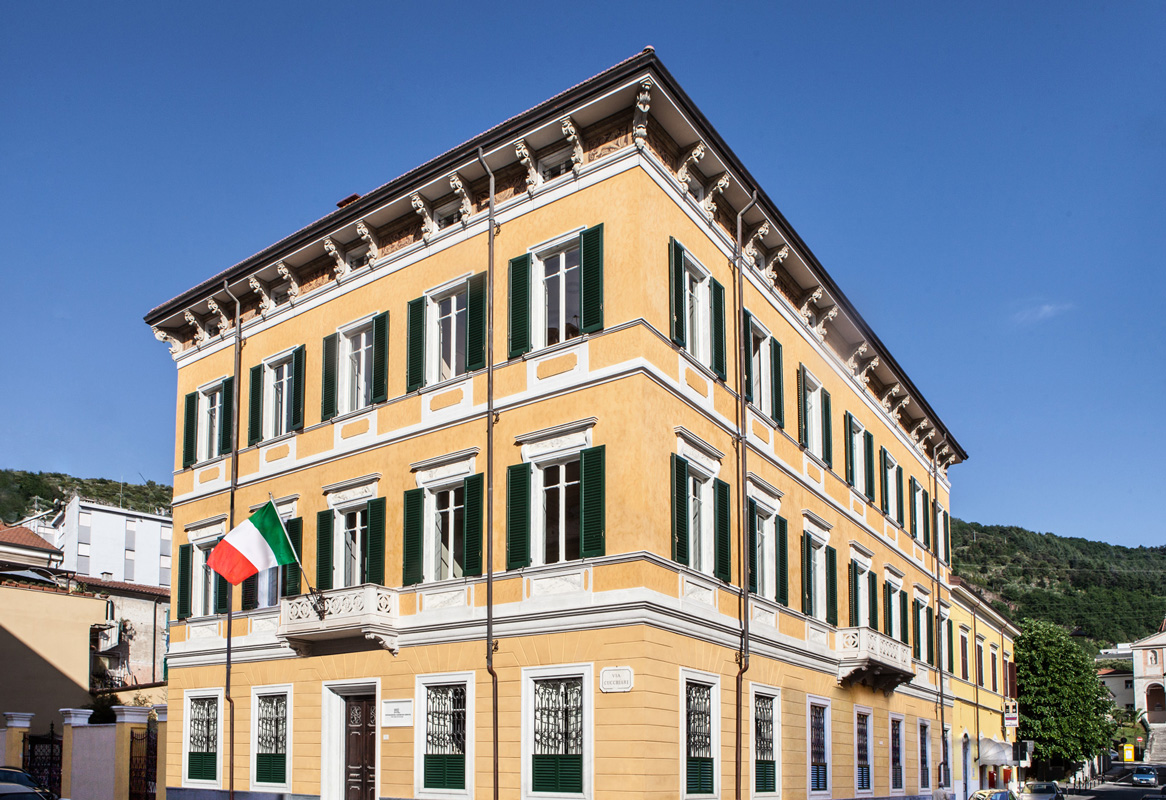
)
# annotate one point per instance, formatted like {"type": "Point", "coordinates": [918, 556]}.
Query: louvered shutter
{"type": "Point", "coordinates": [717, 334]}
{"type": "Point", "coordinates": [380, 357]}
{"type": "Point", "coordinates": [415, 345]}
{"type": "Point", "coordinates": [746, 344]}
{"type": "Point", "coordinates": [807, 578]}
{"type": "Point", "coordinates": [375, 562]}
{"type": "Point", "coordinates": [777, 393]}
{"type": "Point", "coordinates": [190, 429]}
{"type": "Point", "coordinates": [947, 536]}
{"type": "Point", "coordinates": [848, 446]}
{"type": "Point", "coordinates": [413, 537]}
{"type": "Point", "coordinates": [803, 428]}
{"type": "Point", "coordinates": [324, 523]}
{"type": "Point", "coordinates": [782, 561]}
{"type": "Point", "coordinates": [852, 587]}
{"type": "Point", "coordinates": [227, 418]}
{"type": "Point", "coordinates": [519, 306]}
{"type": "Point", "coordinates": [915, 649]}
{"type": "Point", "coordinates": [926, 520]}
{"type": "Point", "coordinates": [914, 513]}
{"type": "Point", "coordinates": [290, 573]}
{"type": "Point", "coordinates": [222, 592]}
{"type": "Point", "coordinates": [249, 590]}
{"type": "Point", "coordinates": [868, 452]}
{"type": "Point", "coordinates": [872, 596]}
{"type": "Point", "coordinates": [592, 501]}
{"type": "Point", "coordinates": [950, 647]}
{"type": "Point", "coordinates": [255, 407]}
{"type": "Point", "coordinates": [899, 493]}
{"type": "Point", "coordinates": [472, 524]}
{"type": "Point", "coordinates": [827, 436]}
{"type": "Point", "coordinates": [328, 362]}
{"type": "Point", "coordinates": [679, 510]}
{"type": "Point", "coordinates": [904, 631]}
{"type": "Point", "coordinates": [831, 586]}
{"type": "Point", "coordinates": [517, 516]}
{"type": "Point", "coordinates": [591, 279]}
{"type": "Point", "coordinates": [677, 306]}
{"type": "Point", "coordinates": [888, 609]}
{"type": "Point", "coordinates": [476, 322]}
{"type": "Point", "coordinates": [753, 546]}
{"type": "Point", "coordinates": [299, 365]}
{"type": "Point", "coordinates": [185, 557]}
{"type": "Point", "coordinates": [885, 493]}
{"type": "Point", "coordinates": [722, 533]}
{"type": "Point", "coordinates": [930, 635]}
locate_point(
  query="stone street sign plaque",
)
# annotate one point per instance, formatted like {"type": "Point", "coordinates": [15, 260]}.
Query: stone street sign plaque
{"type": "Point", "coordinates": [616, 679]}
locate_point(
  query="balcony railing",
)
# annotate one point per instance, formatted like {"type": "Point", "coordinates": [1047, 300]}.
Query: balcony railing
{"type": "Point", "coordinates": [872, 658]}
{"type": "Point", "coordinates": [368, 611]}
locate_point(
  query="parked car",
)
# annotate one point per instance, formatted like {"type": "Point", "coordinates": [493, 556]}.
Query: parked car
{"type": "Point", "coordinates": [11, 776]}
{"type": "Point", "coordinates": [993, 794]}
{"type": "Point", "coordinates": [18, 791]}
{"type": "Point", "coordinates": [1144, 776]}
{"type": "Point", "coordinates": [1040, 790]}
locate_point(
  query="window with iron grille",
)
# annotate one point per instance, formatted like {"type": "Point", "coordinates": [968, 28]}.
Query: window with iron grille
{"type": "Point", "coordinates": [862, 752]}
{"type": "Point", "coordinates": [819, 769]}
{"type": "Point", "coordinates": [557, 762]}
{"type": "Point", "coordinates": [202, 753]}
{"type": "Point", "coordinates": [924, 756]}
{"type": "Point", "coordinates": [698, 733]}
{"type": "Point", "coordinates": [765, 768]}
{"type": "Point", "coordinates": [445, 737]}
{"type": "Point", "coordinates": [271, 739]}
{"type": "Point", "coordinates": [897, 754]}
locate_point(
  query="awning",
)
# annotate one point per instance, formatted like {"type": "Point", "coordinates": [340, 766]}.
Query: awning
{"type": "Point", "coordinates": [994, 751]}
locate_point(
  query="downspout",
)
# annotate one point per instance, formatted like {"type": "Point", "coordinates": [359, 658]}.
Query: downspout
{"type": "Point", "coordinates": [742, 448]}
{"type": "Point", "coordinates": [976, 674]}
{"type": "Point", "coordinates": [237, 385]}
{"type": "Point", "coordinates": [944, 747]}
{"type": "Point", "coordinates": [490, 474]}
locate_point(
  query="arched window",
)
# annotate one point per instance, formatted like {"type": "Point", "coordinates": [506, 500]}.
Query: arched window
{"type": "Point", "coordinates": [1153, 657]}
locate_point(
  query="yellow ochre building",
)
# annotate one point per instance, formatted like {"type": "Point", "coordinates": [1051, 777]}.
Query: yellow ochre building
{"type": "Point", "coordinates": [538, 414]}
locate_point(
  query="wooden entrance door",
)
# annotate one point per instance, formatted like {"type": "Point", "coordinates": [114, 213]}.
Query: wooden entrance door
{"type": "Point", "coordinates": [360, 747]}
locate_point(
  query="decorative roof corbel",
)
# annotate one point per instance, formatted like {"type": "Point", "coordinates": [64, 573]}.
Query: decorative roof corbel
{"type": "Point", "coordinates": [640, 121]}
{"type": "Point", "coordinates": [683, 175]}
{"type": "Point", "coordinates": [852, 362]}
{"type": "Point", "coordinates": [709, 204]}
{"type": "Point", "coordinates": [200, 334]}
{"type": "Point", "coordinates": [918, 429]}
{"type": "Point", "coordinates": [341, 266]}
{"type": "Point", "coordinates": [779, 257]}
{"type": "Point", "coordinates": [824, 317]}
{"type": "Point", "coordinates": [885, 400]}
{"type": "Point", "coordinates": [365, 232]}
{"type": "Point", "coordinates": [939, 452]}
{"type": "Point", "coordinates": [897, 411]}
{"type": "Point", "coordinates": [806, 306]}
{"type": "Point", "coordinates": [863, 373]}
{"type": "Point", "coordinates": [527, 160]}
{"type": "Point", "coordinates": [166, 337]}
{"type": "Point", "coordinates": [264, 292]}
{"type": "Point", "coordinates": [428, 226]}
{"type": "Point", "coordinates": [467, 201]}
{"type": "Point", "coordinates": [224, 321]}
{"type": "Point", "coordinates": [754, 250]}
{"type": "Point", "coordinates": [577, 146]}
{"type": "Point", "coordinates": [290, 275]}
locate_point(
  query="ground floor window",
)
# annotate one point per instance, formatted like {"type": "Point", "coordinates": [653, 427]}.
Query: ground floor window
{"type": "Point", "coordinates": [819, 753]}
{"type": "Point", "coordinates": [765, 761]}
{"type": "Point", "coordinates": [924, 756]}
{"type": "Point", "coordinates": [271, 738]}
{"type": "Point", "coordinates": [202, 743]}
{"type": "Point", "coordinates": [445, 737]}
{"type": "Point", "coordinates": [897, 755]}
{"type": "Point", "coordinates": [862, 751]}
{"type": "Point", "coordinates": [557, 761]}
{"type": "Point", "coordinates": [698, 737]}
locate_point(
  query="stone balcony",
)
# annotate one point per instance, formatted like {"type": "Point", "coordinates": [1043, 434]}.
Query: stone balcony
{"type": "Point", "coordinates": [369, 611]}
{"type": "Point", "coordinates": [873, 659]}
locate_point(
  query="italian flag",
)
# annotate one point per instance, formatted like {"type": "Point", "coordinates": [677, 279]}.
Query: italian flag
{"type": "Point", "coordinates": [259, 543]}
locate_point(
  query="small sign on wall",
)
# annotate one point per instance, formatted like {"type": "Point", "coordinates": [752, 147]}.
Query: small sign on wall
{"type": "Point", "coordinates": [616, 679]}
{"type": "Point", "coordinates": [396, 713]}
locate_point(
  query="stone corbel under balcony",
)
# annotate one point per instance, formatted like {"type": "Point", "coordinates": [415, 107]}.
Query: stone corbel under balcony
{"type": "Point", "coordinates": [872, 659]}
{"type": "Point", "coordinates": [368, 611]}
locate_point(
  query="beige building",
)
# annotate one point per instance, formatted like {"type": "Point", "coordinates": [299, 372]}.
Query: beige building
{"type": "Point", "coordinates": [607, 488]}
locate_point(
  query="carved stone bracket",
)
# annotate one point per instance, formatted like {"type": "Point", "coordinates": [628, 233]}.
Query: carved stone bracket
{"type": "Point", "coordinates": [852, 362]}
{"type": "Point", "coordinates": [466, 208]}
{"type": "Point", "coordinates": [224, 320]}
{"type": "Point", "coordinates": [709, 204]}
{"type": "Point", "coordinates": [387, 642]}
{"type": "Point", "coordinates": [640, 121]}
{"type": "Point", "coordinates": [428, 226]}
{"type": "Point", "coordinates": [918, 428]}
{"type": "Point", "coordinates": [863, 373]}
{"type": "Point", "coordinates": [300, 648]}
{"type": "Point", "coordinates": [885, 400]}
{"type": "Point", "coordinates": [341, 266]}
{"type": "Point", "coordinates": [897, 411]}
{"type": "Point", "coordinates": [806, 306]}
{"type": "Point", "coordinates": [940, 451]}
{"type": "Point", "coordinates": [683, 174]}
{"type": "Point", "coordinates": [779, 257]}
{"type": "Point", "coordinates": [365, 232]}
{"type": "Point", "coordinates": [524, 156]}
{"type": "Point", "coordinates": [200, 334]}
{"type": "Point", "coordinates": [164, 336]}
{"type": "Point", "coordinates": [264, 291]}
{"type": "Point", "coordinates": [576, 145]}
{"type": "Point", "coordinates": [289, 274]}
{"type": "Point", "coordinates": [824, 317]}
{"type": "Point", "coordinates": [754, 249]}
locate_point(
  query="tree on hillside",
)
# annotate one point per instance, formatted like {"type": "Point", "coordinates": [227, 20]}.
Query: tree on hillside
{"type": "Point", "coordinates": [1064, 708]}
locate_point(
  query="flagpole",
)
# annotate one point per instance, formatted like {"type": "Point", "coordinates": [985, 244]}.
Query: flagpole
{"type": "Point", "coordinates": [237, 387]}
{"type": "Point", "coordinates": [318, 602]}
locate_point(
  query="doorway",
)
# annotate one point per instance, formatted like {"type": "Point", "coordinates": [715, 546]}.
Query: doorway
{"type": "Point", "coordinates": [360, 747]}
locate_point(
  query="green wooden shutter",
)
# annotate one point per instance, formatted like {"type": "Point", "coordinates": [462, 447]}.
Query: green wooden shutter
{"type": "Point", "coordinates": [717, 320]}
{"type": "Point", "coordinates": [746, 344]}
{"type": "Point", "coordinates": [753, 546]}
{"type": "Point", "coordinates": [676, 309]}
{"type": "Point", "coordinates": [331, 350]}
{"type": "Point", "coordinates": [415, 345]}
{"type": "Point", "coordinates": [885, 493]}
{"type": "Point", "coordinates": [723, 533]}
{"type": "Point", "coordinates": [831, 585]}
{"type": "Point", "coordinates": [873, 599]}
{"type": "Point", "coordinates": [950, 647]}
{"type": "Point", "coordinates": [222, 593]}
{"type": "Point", "coordinates": [190, 430]}
{"type": "Point", "coordinates": [852, 585]}
{"type": "Point", "coordinates": [868, 451]}
{"type": "Point", "coordinates": [476, 322]}
{"type": "Point", "coordinates": [782, 561]}
{"type": "Point", "coordinates": [803, 428]}
{"type": "Point", "coordinates": [255, 407]}
{"type": "Point", "coordinates": [324, 523]}
{"type": "Point", "coordinates": [592, 501]}
{"type": "Point", "coordinates": [807, 578]}
{"type": "Point", "coordinates": [699, 775]}
{"type": "Point", "coordinates": [679, 510]}
{"type": "Point", "coordinates": [827, 435]}
{"type": "Point", "coordinates": [270, 768]}
{"type": "Point", "coordinates": [904, 631]}
{"type": "Point", "coordinates": [517, 516]}
{"type": "Point", "coordinates": [776, 392]}
{"type": "Point", "coordinates": [899, 492]}
{"type": "Point", "coordinates": [930, 635]}
{"type": "Point", "coordinates": [299, 359]}
{"type": "Point", "coordinates": [914, 516]}
{"type": "Point", "coordinates": [380, 357]}
{"type": "Point", "coordinates": [413, 537]}
{"type": "Point", "coordinates": [519, 302]}
{"type": "Point", "coordinates": [591, 279]}
{"type": "Point", "coordinates": [249, 590]}
{"type": "Point", "coordinates": [375, 563]}
{"type": "Point", "coordinates": [888, 610]}
{"type": "Point", "coordinates": [915, 637]}
{"type": "Point", "coordinates": [185, 557]}
{"type": "Point", "coordinates": [926, 520]}
{"type": "Point", "coordinates": [848, 446]}
{"type": "Point", "coordinates": [947, 536]}
{"type": "Point", "coordinates": [227, 418]}
{"type": "Point", "coordinates": [290, 585]}
{"type": "Point", "coordinates": [472, 524]}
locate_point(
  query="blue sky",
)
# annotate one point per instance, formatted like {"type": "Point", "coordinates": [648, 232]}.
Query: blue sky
{"type": "Point", "coordinates": [987, 183]}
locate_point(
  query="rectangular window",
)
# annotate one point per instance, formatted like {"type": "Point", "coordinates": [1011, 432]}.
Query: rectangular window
{"type": "Point", "coordinates": [897, 755]}
{"type": "Point", "coordinates": [555, 165]}
{"type": "Point", "coordinates": [210, 421]}
{"type": "Point", "coordinates": [271, 739]}
{"type": "Point", "coordinates": [355, 543]}
{"type": "Point", "coordinates": [451, 335]}
{"type": "Point", "coordinates": [561, 512]}
{"type": "Point", "coordinates": [964, 655]}
{"type": "Point", "coordinates": [202, 752]}
{"type": "Point", "coordinates": [280, 396]}
{"type": "Point", "coordinates": [445, 737]}
{"type": "Point", "coordinates": [924, 756]}
{"type": "Point", "coordinates": [698, 737]}
{"type": "Point", "coordinates": [696, 310]}
{"type": "Point", "coordinates": [203, 585]}
{"type": "Point", "coordinates": [819, 764]}
{"type": "Point", "coordinates": [813, 413]}
{"type": "Point", "coordinates": [128, 567]}
{"type": "Point", "coordinates": [700, 520]}
{"type": "Point", "coordinates": [450, 529]}
{"type": "Point", "coordinates": [765, 761]}
{"type": "Point", "coordinates": [557, 760]}
{"type": "Point", "coordinates": [358, 364]}
{"type": "Point", "coordinates": [759, 372]}
{"type": "Point", "coordinates": [992, 662]}
{"type": "Point", "coordinates": [979, 663]}
{"type": "Point", "coordinates": [862, 751]}
{"type": "Point", "coordinates": [561, 292]}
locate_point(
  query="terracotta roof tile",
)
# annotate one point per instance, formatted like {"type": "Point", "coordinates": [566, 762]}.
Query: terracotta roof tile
{"type": "Point", "coordinates": [141, 588]}
{"type": "Point", "coordinates": [23, 537]}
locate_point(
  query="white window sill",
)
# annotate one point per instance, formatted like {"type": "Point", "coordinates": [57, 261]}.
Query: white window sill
{"type": "Point", "coordinates": [283, 437]}
{"type": "Point", "coordinates": [347, 416]}
{"type": "Point", "coordinates": [551, 349]}
{"type": "Point", "coordinates": [209, 461]}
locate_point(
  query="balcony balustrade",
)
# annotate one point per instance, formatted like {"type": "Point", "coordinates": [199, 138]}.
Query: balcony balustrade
{"type": "Point", "coordinates": [368, 611]}
{"type": "Point", "coordinates": [873, 659]}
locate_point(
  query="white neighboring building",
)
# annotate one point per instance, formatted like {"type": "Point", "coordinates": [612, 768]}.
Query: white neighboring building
{"type": "Point", "coordinates": [1150, 675]}
{"type": "Point", "coordinates": [108, 543]}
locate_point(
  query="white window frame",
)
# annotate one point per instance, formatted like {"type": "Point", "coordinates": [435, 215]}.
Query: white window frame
{"type": "Point", "coordinates": [539, 462]}
{"type": "Point", "coordinates": [945, 763]}
{"type": "Point", "coordinates": [993, 677]}
{"type": "Point", "coordinates": [202, 584]}
{"type": "Point", "coordinates": [966, 647]}
{"type": "Point", "coordinates": [870, 744]}
{"type": "Point", "coordinates": [768, 507]}
{"type": "Point", "coordinates": [207, 448]}
{"type": "Point", "coordinates": [920, 511]}
{"type": "Point", "coordinates": [819, 538]}
{"type": "Point", "coordinates": [284, 359]}
{"type": "Point", "coordinates": [538, 287]}
{"type": "Point", "coordinates": [697, 325]}
{"type": "Point", "coordinates": [714, 682]}
{"type": "Point", "coordinates": [774, 692]}
{"type": "Point", "coordinates": [554, 160]}
{"type": "Point", "coordinates": [339, 512]}
{"type": "Point", "coordinates": [896, 584]}
{"type": "Point", "coordinates": [447, 215]}
{"type": "Point", "coordinates": [256, 691]}
{"type": "Point", "coordinates": [939, 540]}
{"type": "Point", "coordinates": [813, 412]}
{"type": "Point", "coordinates": [420, 706]}
{"type": "Point", "coordinates": [439, 475]}
{"type": "Point", "coordinates": [195, 694]}
{"type": "Point", "coordinates": [891, 720]}
{"type": "Point", "coordinates": [531, 674]}
{"type": "Point", "coordinates": [891, 479]}
{"type": "Point", "coordinates": [762, 366]}
{"type": "Point", "coordinates": [701, 544]}
{"type": "Point", "coordinates": [817, 700]}
{"type": "Point", "coordinates": [858, 448]}
{"type": "Point", "coordinates": [863, 569]}
{"type": "Point", "coordinates": [920, 611]}
{"type": "Point", "coordinates": [924, 744]}
{"type": "Point", "coordinates": [345, 372]}
{"type": "Point", "coordinates": [433, 299]}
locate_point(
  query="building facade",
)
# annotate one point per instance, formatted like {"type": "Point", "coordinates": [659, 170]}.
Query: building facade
{"type": "Point", "coordinates": [606, 488]}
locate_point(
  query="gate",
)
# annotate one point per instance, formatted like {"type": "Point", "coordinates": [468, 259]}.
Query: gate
{"type": "Point", "coordinates": [42, 759]}
{"type": "Point", "coordinates": [144, 762]}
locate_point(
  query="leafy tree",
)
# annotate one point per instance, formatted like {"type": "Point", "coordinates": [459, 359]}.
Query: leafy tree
{"type": "Point", "coordinates": [1064, 708]}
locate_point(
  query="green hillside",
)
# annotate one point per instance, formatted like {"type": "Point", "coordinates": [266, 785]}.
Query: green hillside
{"type": "Point", "coordinates": [19, 488]}
{"type": "Point", "coordinates": [1106, 593]}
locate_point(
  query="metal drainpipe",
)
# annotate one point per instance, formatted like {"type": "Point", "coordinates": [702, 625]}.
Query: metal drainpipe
{"type": "Point", "coordinates": [231, 524]}
{"type": "Point", "coordinates": [975, 676]}
{"type": "Point", "coordinates": [943, 747]}
{"type": "Point", "coordinates": [742, 447]}
{"type": "Point", "coordinates": [490, 472]}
